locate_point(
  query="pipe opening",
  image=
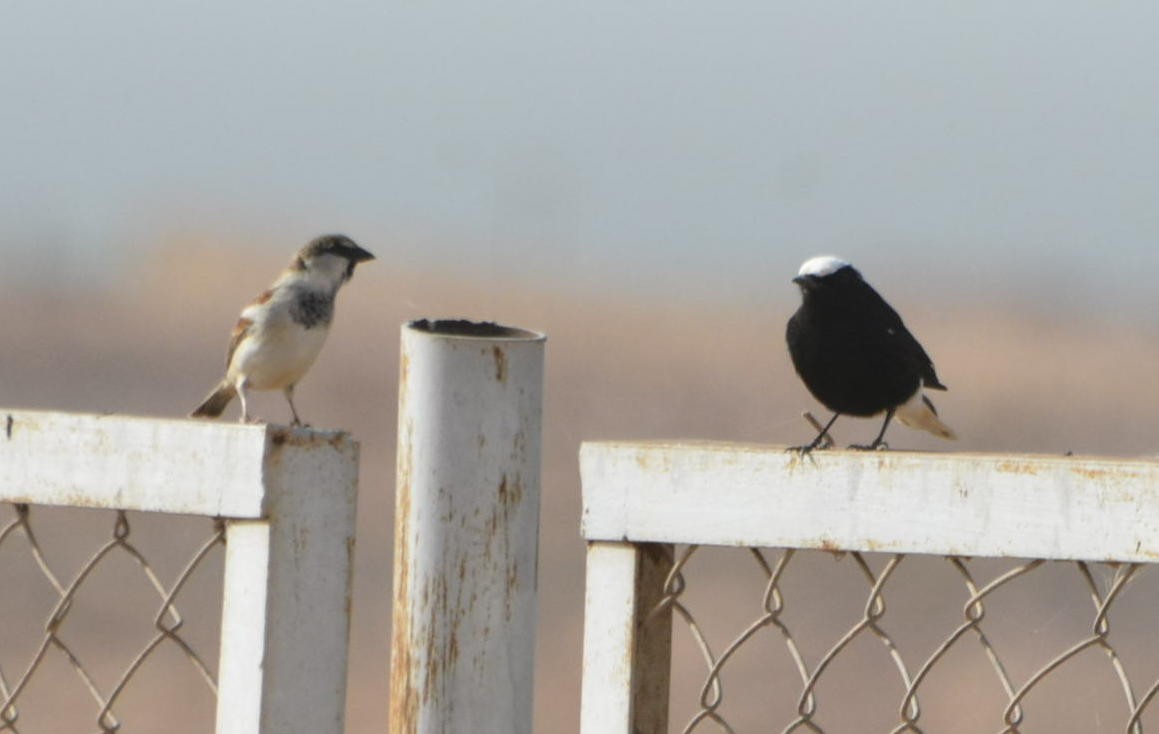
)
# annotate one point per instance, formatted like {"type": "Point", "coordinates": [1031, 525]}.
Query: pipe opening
{"type": "Point", "coordinates": [474, 329]}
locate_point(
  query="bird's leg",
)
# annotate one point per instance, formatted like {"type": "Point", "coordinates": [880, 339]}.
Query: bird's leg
{"type": "Point", "coordinates": [826, 442]}
{"type": "Point", "coordinates": [817, 441]}
{"type": "Point", "coordinates": [289, 391]}
{"type": "Point", "coordinates": [878, 442]}
{"type": "Point", "coordinates": [242, 386]}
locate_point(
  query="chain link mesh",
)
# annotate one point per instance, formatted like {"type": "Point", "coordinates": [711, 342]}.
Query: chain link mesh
{"type": "Point", "coordinates": [85, 611]}
{"type": "Point", "coordinates": [792, 641]}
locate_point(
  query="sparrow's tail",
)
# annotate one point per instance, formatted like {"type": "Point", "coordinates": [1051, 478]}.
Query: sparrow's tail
{"type": "Point", "coordinates": [215, 403]}
{"type": "Point", "coordinates": [919, 412]}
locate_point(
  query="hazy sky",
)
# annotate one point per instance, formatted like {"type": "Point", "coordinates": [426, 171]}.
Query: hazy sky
{"type": "Point", "coordinates": [992, 144]}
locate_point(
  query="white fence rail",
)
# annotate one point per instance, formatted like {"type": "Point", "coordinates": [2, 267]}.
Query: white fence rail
{"type": "Point", "coordinates": [650, 507]}
{"type": "Point", "coordinates": [286, 498]}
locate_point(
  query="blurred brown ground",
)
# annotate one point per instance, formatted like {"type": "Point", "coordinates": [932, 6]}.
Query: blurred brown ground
{"type": "Point", "coordinates": [618, 368]}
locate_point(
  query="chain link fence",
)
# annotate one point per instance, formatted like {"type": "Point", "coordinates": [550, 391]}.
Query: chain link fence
{"type": "Point", "coordinates": [108, 622]}
{"type": "Point", "coordinates": [739, 588]}
{"type": "Point", "coordinates": [787, 640]}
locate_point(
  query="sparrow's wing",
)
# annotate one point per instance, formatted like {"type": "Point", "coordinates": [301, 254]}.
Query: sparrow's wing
{"type": "Point", "coordinates": [240, 330]}
{"type": "Point", "coordinates": [242, 327]}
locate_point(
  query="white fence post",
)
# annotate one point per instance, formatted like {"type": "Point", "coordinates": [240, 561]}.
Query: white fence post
{"type": "Point", "coordinates": [288, 497]}
{"type": "Point", "coordinates": [466, 528]}
{"type": "Point", "coordinates": [627, 639]}
{"type": "Point", "coordinates": [286, 599]}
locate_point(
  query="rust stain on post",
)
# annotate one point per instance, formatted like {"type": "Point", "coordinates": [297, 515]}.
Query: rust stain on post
{"type": "Point", "coordinates": [350, 544]}
{"type": "Point", "coordinates": [1017, 467]}
{"type": "Point", "coordinates": [510, 492]}
{"type": "Point", "coordinates": [654, 461]}
{"type": "Point", "coordinates": [500, 364]}
{"type": "Point", "coordinates": [404, 700]}
{"type": "Point", "coordinates": [1092, 473]}
{"type": "Point", "coordinates": [827, 544]}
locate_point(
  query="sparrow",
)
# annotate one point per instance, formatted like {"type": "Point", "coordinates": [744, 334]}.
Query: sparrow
{"type": "Point", "coordinates": [280, 332]}
{"type": "Point", "coordinates": [855, 355]}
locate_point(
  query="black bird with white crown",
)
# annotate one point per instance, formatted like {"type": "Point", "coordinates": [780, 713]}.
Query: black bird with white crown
{"type": "Point", "coordinates": [855, 355]}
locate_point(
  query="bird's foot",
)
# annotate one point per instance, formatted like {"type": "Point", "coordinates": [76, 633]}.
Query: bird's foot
{"type": "Point", "coordinates": [875, 446]}
{"type": "Point", "coordinates": [823, 440]}
{"type": "Point", "coordinates": [809, 448]}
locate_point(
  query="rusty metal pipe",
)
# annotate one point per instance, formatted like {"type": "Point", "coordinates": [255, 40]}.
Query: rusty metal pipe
{"type": "Point", "coordinates": [466, 528]}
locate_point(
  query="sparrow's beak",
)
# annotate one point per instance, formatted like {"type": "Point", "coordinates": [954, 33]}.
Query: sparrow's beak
{"type": "Point", "coordinates": [358, 255]}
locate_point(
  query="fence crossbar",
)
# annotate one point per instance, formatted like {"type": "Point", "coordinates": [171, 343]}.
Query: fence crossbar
{"type": "Point", "coordinates": [993, 505]}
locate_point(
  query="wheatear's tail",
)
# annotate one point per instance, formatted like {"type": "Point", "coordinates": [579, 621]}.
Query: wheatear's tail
{"type": "Point", "coordinates": [919, 412]}
{"type": "Point", "coordinates": [215, 402]}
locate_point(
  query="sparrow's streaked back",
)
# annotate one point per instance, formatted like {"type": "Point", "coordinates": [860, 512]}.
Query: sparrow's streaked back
{"type": "Point", "coordinates": [855, 355]}
{"type": "Point", "coordinates": [280, 332]}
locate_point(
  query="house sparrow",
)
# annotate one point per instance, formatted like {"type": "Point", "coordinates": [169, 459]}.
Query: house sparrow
{"type": "Point", "coordinates": [855, 355]}
{"type": "Point", "coordinates": [281, 331]}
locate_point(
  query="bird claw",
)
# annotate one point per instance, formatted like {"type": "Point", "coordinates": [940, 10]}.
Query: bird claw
{"type": "Point", "coordinates": [800, 453]}
{"type": "Point", "coordinates": [819, 444]}
{"type": "Point", "coordinates": [823, 440]}
{"type": "Point", "coordinates": [875, 446]}
{"type": "Point", "coordinates": [803, 450]}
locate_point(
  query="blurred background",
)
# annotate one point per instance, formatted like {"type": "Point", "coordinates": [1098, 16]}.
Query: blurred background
{"type": "Point", "coordinates": [638, 181]}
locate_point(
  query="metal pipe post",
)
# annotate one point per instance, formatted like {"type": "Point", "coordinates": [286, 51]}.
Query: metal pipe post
{"type": "Point", "coordinates": [466, 528]}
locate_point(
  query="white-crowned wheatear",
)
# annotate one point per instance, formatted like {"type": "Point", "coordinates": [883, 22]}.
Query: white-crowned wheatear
{"type": "Point", "coordinates": [855, 355]}
{"type": "Point", "coordinates": [281, 331]}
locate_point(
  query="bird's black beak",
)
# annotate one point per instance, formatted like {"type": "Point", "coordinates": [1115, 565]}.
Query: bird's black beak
{"type": "Point", "coordinates": [357, 254]}
{"type": "Point", "coordinates": [801, 279]}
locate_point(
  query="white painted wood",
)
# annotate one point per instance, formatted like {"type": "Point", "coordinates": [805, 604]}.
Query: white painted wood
{"type": "Point", "coordinates": [609, 638]}
{"type": "Point", "coordinates": [243, 632]}
{"type": "Point", "coordinates": [466, 529]}
{"type": "Point", "coordinates": [133, 463]}
{"type": "Point", "coordinates": [961, 504]}
{"type": "Point", "coordinates": [287, 674]}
